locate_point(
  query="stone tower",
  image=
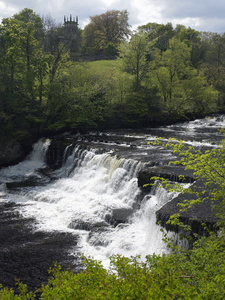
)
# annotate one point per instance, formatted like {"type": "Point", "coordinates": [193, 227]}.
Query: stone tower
{"type": "Point", "coordinates": [70, 28]}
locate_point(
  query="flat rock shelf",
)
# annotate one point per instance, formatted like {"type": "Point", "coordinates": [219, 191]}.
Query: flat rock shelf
{"type": "Point", "coordinates": [27, 255]}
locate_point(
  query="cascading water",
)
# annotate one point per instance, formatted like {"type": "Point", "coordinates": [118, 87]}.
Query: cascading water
{"type": "Point", "coordinates": [95, 196]}
{"type": "Point", "coordinates": [99, 191]}
{"type": "Point", "coordinates": [27, 168]}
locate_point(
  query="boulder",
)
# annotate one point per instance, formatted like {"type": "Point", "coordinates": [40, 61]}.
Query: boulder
{"type": "Point", "coordinates": [11, 153]}
{"type": "Point", "coordinates": [170, 172]}
{"type": "Point", "coordinates": [194, 216]}
{"type": "Point", "coordinates": [119, 215]}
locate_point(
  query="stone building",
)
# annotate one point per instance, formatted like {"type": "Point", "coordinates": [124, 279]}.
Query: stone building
{"type": "Point", "coordinates": [71, 33]}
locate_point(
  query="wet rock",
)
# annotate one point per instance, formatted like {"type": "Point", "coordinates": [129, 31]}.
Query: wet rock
{"type": "Point", "coordinates": [31, 182]}
{"type": "Point", "coordinates": [170, 172]}
{"type": "Point", "coordinates": [54, 157]}
{"type": "Point", "coordinates": [80, 224]}
{"type": "Point", "coordinates": [120, 215]}
{"type": "Point", "coordinates": [11, 153]}
{"type": "Point", "coordinates": [195, 216]}
{"type": "Point", "coordinates": [26, 254]}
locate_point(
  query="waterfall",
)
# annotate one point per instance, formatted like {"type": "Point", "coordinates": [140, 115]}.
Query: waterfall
{"type": "Point", "coordinates": [92, 204]}
{"type": "Point", "coordinates": [3, 190]}
{"type": "Point", "coordinates": [95, 197]}
{"type": "Point", "coordinates": [140, 236]}
{"type": "Point", "coordinates": [34, 161]}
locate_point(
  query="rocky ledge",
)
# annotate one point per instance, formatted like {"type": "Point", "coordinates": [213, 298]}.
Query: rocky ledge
{"type": "Point", "coordinates": [11, 153]}
{"type": "Point", "coordinates": [26, 254]}
{"type": "Point", "coordinates": [170, 172]}
{"type": "Point", "coordinates": [196, 215]}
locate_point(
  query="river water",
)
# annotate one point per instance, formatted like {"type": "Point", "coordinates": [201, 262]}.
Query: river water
{"type": "Point", "coordinates": [94, 195]}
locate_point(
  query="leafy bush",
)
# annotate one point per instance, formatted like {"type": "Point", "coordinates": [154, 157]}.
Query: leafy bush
{"type": "Point", "coordinates": [195, 274]}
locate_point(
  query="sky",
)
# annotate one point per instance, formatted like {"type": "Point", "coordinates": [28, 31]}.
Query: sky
{"type": "Point", "coordinates": [202, 15]}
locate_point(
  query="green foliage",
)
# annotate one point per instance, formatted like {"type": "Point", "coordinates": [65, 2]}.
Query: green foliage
{"type": "Point", "coordinates": [181, 89]}
{"type": "Point", "coordinates": [207, 166]}
{"type": "Point", "coordinates": [158, 34]}
{"type": "Point", "coordinates": [77, 99]}
{"type": "Point", "coordinates": [21, 62]}
{"type": "Point", "coordinates": [109, 27]}
{"type": "Point", "coordinates": [161, 74]}
{"type": "Point", "coordinates": [134, 58]}
{"type": "Point", "coordinates": [195, 274]}
{"type": "Point", "coordinates": [111, 49]}
{"type": "Point", "coordinates": [9, 294]}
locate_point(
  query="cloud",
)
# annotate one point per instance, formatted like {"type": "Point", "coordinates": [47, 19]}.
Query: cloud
{"type": "Point", "coordinates": [203, 15]}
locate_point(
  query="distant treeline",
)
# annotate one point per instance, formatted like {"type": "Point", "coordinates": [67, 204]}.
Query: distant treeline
{"type": "Point", "coordinates": [157, 74]}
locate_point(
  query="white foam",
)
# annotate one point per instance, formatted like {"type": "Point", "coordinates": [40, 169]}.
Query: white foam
{"type": "Point", "coordinates": [26, 168]}
{"type": "Point", "coordinates": [95, 188]}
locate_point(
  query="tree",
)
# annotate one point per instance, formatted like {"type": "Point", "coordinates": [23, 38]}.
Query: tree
{"type": "Point", "coordinates": [20, 60]}
{"type": "Point", "coordinates": [182, 89]}
{"type": "Point", "coordinates": [169, 69]}
{"type": "Point", "coordinates": [111, 50]}
{"type": "Point", "coordinates": [33, 35]}
{"type": "Point", "coordinates": [199, 97]}
{"type": "Point", "coordinates": [158, 34]}
{"type": "Point", "coordinates": [214, 65]}
{"type": "Point", "coordinates": [77, 100]}
{"type": "Point", "coordinates": [134, 57]}
{"type": "Point", "coordinates": [21, 38]}
{"type": "Point", "coordinates": [28, 72]}
{"type": "Point", "coordinates": [29, 16]}
{"type": "Point", "coordinates": [110, 27]}
{"type": "Point", "coordinates": [192, 38]}
{"type": "Point", "coordinates": [55, 61]}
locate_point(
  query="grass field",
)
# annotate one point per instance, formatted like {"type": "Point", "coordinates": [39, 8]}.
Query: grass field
{"type": "Point", "coordinates": [101, 67]}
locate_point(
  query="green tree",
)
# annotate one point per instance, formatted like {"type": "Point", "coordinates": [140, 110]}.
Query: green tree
{"type": "Point", "coordinates": [111, 50]}
{"type": "Point", "coordinates": [181, 88]}
{"type": "Point", "coordinates": [214, 65]}
{"type": "Point", "coordinates": [110, 27]}
{"type": "Point", "coordinates": [119, 86]}
{"type": "Point", "coordinates": [192, 38]}
{"type": "Point", "coordinates": [169, 70]}
{"type": "Point", "coordinates": [134, 58]}
{"type": "Point", "coordinates": [199, 98]}
{"type": "Point", "coordinates": [20, 52]}
{"type": "Point", "coordinates": [158, 34]}
{"type": "Point", "coordinates": [77, 100]}
{"type": "Point", "coordinates": [32, 60]}
{"type": "Point", "coordinates": [26, 16]}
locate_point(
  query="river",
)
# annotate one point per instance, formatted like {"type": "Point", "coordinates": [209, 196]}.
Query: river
{"type": "Point", "coordinates": [92, 204]}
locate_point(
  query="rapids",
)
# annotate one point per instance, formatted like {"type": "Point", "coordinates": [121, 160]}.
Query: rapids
{"type": "Point", "coordinates": [95, 196]}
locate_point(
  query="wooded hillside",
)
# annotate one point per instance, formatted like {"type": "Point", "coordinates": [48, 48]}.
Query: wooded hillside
{"type": "Point", "coordinates": [159, 75]}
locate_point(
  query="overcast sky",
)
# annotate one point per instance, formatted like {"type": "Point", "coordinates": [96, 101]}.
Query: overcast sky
{"type": "Point", "coordinates": [203, 15]}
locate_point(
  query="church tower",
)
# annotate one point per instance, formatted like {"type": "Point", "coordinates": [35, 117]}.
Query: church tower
{"type": "Point", "coordinates": [70, 28]}
{"type": "Point", "coordinates": [71, 37]}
